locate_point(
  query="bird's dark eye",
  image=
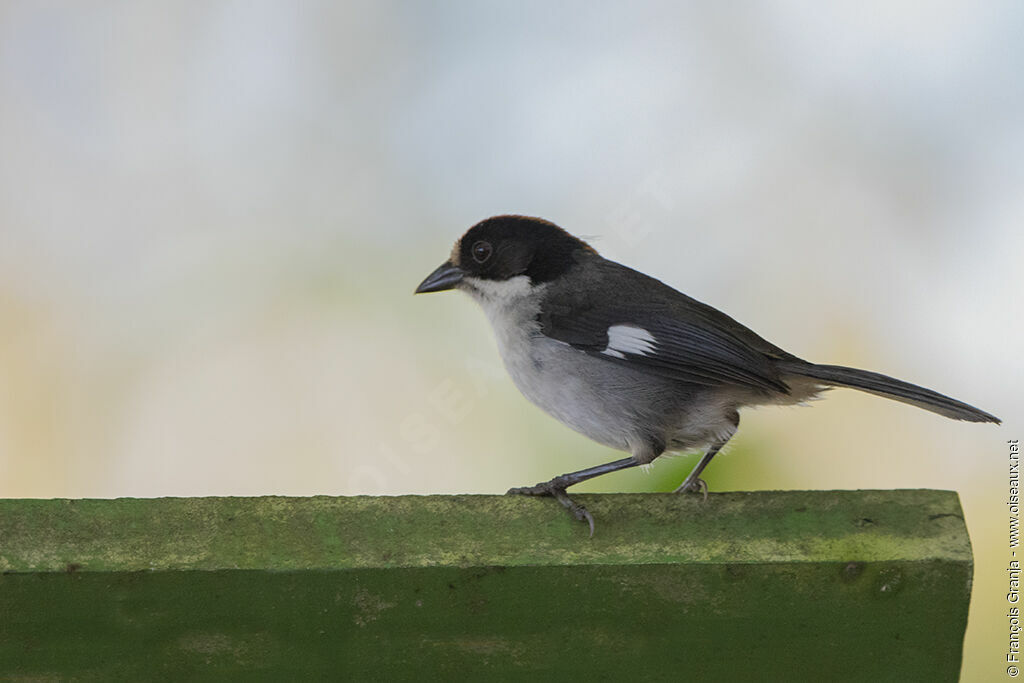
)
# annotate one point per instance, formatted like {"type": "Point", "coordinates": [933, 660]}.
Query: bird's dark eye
{"type": "Point", "coordinates": [481, 251]}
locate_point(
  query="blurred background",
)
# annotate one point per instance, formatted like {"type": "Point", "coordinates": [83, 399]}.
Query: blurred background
{"type": "Point", "coordinates": [213, 215]}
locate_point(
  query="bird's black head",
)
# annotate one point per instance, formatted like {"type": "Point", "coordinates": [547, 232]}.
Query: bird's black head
{"type": "Point", "coordinates": [504, 247]}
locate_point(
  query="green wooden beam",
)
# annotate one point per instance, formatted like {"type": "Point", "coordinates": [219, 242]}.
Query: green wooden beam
{"type": "Point", "coordinates": [816, 585]}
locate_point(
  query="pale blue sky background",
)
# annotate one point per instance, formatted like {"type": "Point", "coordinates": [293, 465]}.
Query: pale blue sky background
{"type": "Point", "coordinates": [212, 217]}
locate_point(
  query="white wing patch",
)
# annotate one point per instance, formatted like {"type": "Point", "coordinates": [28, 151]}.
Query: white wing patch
{"type": "Point", "coordinates": [623, 339]}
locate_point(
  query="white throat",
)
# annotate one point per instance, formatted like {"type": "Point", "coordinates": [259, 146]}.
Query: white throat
{"type": "Point", "coordinates": [510, 305]}
{"type": "Point", "coordinates": [499, 292]}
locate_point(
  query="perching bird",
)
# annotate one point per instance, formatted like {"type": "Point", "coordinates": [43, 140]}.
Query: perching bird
{"type": "Point", "coordinates": [627, 360]}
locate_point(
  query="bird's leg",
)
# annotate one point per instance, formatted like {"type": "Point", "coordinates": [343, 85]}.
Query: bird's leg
{"type": "Point", "coordinates": [556, 487]}
{"type": "Point", "coordinates": [564, 481]}
{"type": "Point", "coordinates": [693, 482]}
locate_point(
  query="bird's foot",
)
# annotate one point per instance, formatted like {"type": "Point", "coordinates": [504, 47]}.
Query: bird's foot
{"type": "Point", "coordinates": [551, 488]}
{"type": "Point", "coordinates": [543, 489]}
{"type": "Point", "coordinates": [696, 485]}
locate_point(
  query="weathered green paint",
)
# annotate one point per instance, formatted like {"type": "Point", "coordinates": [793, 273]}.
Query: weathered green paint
{"type": "Point", "coordinates": [837, 585]}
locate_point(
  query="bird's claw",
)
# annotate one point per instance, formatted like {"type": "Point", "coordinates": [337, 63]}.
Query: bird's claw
{"type": "Point", "coordinates": [558, 493]}
{"type": "Point", "coordinates": [578, 511]}
{"type": "Point", "coordinates": [698, 485]}
{"type": "Point", "coordinates": [536, 490]}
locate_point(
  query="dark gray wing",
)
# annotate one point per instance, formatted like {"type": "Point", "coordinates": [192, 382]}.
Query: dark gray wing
{"type": "Point", "coordinates": [692, 342]}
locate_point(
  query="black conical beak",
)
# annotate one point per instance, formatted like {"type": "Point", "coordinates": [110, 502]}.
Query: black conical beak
{"type": "Point", "coordinates": [445, 277]}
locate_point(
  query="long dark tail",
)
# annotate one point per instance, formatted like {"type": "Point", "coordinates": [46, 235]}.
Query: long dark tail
{"type": "Point", "coordinates": [889, 387]}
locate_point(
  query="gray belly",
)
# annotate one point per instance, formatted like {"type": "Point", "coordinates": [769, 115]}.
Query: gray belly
{"type": "Point", "coordinates": [612, 404]}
